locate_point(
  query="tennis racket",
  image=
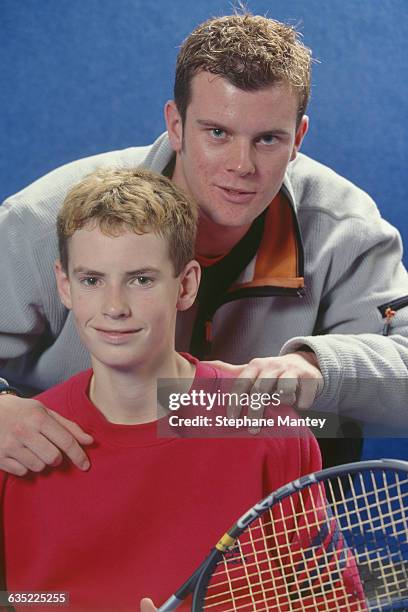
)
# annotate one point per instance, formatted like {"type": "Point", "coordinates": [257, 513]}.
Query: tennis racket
{"type": "Point", "coordinates": [336, 539]}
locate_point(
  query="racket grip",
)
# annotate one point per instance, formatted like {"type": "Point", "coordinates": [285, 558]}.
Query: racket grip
{"type": "Point", "coordinates": [172, 603]}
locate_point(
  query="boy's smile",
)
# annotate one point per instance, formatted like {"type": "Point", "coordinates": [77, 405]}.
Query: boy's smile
{"type": "Point", "coordinates": [124, 294]}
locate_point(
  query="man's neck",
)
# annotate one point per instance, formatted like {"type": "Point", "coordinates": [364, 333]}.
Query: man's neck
{"type": "Point", "coordinates": [214, 240]}
{"type": "Point", "coordinates": [130, 397]}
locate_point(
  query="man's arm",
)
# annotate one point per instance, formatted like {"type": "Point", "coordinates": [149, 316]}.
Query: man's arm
{"type": "Point", "coordinates": [22, 318]}
{"type": "Point", "coordinates": [31, 436]}
{"type": "Point", "coordinates": [362, 354]}
{"type": "Point", "coordinates": [354, 271]}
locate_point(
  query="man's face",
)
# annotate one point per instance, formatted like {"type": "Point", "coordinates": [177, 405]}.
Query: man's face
{"type": "Point", "coordinates": [234, 148]}
{"type": "Point", "coordinates": [124, 295]}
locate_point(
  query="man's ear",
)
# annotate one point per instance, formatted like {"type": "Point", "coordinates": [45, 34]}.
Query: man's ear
{"type": "Point", "coordinates": [300, 134]}
{"type": "Point", "coordinates": [174, 125]}
{"type": "Point", "coordinates": [189, 283]}
{"type": "Point", "coordinates": [63, 285]}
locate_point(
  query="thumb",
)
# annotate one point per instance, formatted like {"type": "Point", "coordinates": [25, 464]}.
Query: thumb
{"type": "Point", "coordinates": [146, 605]}
{"type": "Point", "coordinates": [227, 367]}
{"type": "Point", "coordinates": [73, 428]}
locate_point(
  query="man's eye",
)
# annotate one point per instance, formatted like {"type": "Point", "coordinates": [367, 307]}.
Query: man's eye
{"type": "Point", "coordinates": [267, 139]}
{"type": "Point", "coordinates": [217, 132]}
{"type": "Point", "coordinates": [143, 281]}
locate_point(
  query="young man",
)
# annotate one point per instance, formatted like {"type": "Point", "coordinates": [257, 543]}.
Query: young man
{"type": "Point", "coordinates": [128, 526]}
{"type": "Point", "coordinates": [302, 278]}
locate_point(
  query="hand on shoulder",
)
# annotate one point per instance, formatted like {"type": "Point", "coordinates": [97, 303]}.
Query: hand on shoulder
{"type": "Point", "coordinates": [33, 437]}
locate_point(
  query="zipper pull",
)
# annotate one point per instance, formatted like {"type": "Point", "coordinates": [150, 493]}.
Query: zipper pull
{"type": "Point", "coordinates": [389, 315]}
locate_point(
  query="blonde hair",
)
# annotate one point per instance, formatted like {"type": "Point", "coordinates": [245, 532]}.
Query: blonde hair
{"type": "Point", "coordinates": [133, 200]}
{"type": "Point", "coordinates": [250, 51]}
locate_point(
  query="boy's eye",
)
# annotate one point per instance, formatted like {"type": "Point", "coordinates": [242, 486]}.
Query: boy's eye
{"type": "Point", "coordinates": [89, 281]}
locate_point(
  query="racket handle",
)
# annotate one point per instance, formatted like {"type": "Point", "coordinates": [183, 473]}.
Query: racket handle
{"type": "Point", "coordinates": [172, 603]}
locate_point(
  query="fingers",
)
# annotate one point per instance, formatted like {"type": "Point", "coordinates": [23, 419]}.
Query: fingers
{"type": "Point", "coordinates": [28, 459]}
{"type": "Point", "coordinates": [32, 437]}
{"type": "Point", "coordinates": [73, 428]}
{"type": "Point", "coordinates": [36, 449]}
{"type": "Point", "coordinates": [146, 605]}
{"type": "Point", "coordinates": [287, 389]}
{"type": "Point", "coordinates": [62, 434]}
{"type": "Point", "coordinates": [296, 378]}
{"type": "Point", "coordinates": [226, 367]}
{"type": "Point", "coordinates": [11, 466]}
{"type": "Point", "coordinates": [308, 391]}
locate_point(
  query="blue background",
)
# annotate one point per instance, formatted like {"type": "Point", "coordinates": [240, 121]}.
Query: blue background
{"type": "Point", "coordinates": [79, 77]}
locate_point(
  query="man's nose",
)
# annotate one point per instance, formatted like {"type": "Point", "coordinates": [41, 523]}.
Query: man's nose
{"type": "Point", "coordinates": [241, 157]}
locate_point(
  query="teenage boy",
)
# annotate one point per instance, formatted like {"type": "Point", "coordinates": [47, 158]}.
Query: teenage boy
{"type": "Point", "coordinates": [127, 527]}
{"type": "Point", "coordinates": [302, 278]}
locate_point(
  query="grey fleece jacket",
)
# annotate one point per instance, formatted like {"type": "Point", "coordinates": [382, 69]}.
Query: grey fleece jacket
{"type": "Point", "coordinates": [352, 271]}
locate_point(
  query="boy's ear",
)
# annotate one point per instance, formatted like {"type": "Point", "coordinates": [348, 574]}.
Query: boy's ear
{"type": "Point", "coordinates": [189, 283]}
{"type": "Point", "coordinates": [174, 125]}
{"type": "Point", "coordinates": [63, 286]}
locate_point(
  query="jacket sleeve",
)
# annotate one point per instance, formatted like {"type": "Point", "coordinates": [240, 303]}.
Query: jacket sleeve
{"type": "Point", "coordinates": [22, 320]}
{"type": "Point", "coordinates": [364, 371]}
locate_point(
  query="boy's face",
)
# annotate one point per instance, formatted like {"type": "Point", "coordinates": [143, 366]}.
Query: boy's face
{"type": "Point", "coordinates": [124, 296]}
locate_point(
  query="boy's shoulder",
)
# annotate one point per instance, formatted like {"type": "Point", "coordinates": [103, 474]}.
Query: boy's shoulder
{"type": "Point", "coordinates": [206, 369]}
{"type": "Point", "coordinates": [60, 397]}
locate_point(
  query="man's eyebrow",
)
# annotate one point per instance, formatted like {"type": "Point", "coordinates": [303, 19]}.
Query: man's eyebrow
{"type": "Point", "coordinates": [274, 131]}
{"type": "Point", "coordinates": [84, 270]}
{"type": "Point", "coordinates": [208, 122]}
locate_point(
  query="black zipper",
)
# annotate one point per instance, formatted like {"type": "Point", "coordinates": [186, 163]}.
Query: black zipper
{"type": "Point", "coordinates": [267, 291]}
{"type": "Point", "coordinates": [388, 312]}
{"type": "Point", "coordinates": [394, 305]}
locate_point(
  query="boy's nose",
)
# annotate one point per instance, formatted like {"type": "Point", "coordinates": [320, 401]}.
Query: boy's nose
{"type": "Point", "coordinates": [115, 304]}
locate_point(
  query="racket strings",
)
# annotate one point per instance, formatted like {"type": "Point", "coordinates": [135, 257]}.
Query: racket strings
{"type": "Point", "coordinates": [347, 513]}
{"type": "Point", "coordinates": [269, 585]}
{"type": "Point", "coordinates": [337, 594]}
{"type": "Point", "coordinates": [255, 540]}
{"type": "Point", "coordinates": [298, 555]}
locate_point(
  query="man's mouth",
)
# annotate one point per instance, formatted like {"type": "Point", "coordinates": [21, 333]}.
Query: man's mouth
{"type": "Point", "coordinates": [234, 195]}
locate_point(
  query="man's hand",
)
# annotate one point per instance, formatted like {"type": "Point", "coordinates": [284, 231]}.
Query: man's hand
{"type": "Point", "coordinates": [296, 377]}
{"type": "Point", "coordinates": [33, 437]}
{"type": "Point", "coordinates": [146, 605]}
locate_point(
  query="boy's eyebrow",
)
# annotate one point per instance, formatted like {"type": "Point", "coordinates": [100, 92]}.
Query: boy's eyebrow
{"type": "Point", "coordinates": [138, 272]}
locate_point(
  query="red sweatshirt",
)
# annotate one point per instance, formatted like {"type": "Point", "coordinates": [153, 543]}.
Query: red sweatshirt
{"type": "Point", "coordinates": [145, 514]}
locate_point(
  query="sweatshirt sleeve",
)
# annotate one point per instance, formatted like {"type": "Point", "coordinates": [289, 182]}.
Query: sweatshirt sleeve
{"type": "Point", "coordinates": [3, 478]}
